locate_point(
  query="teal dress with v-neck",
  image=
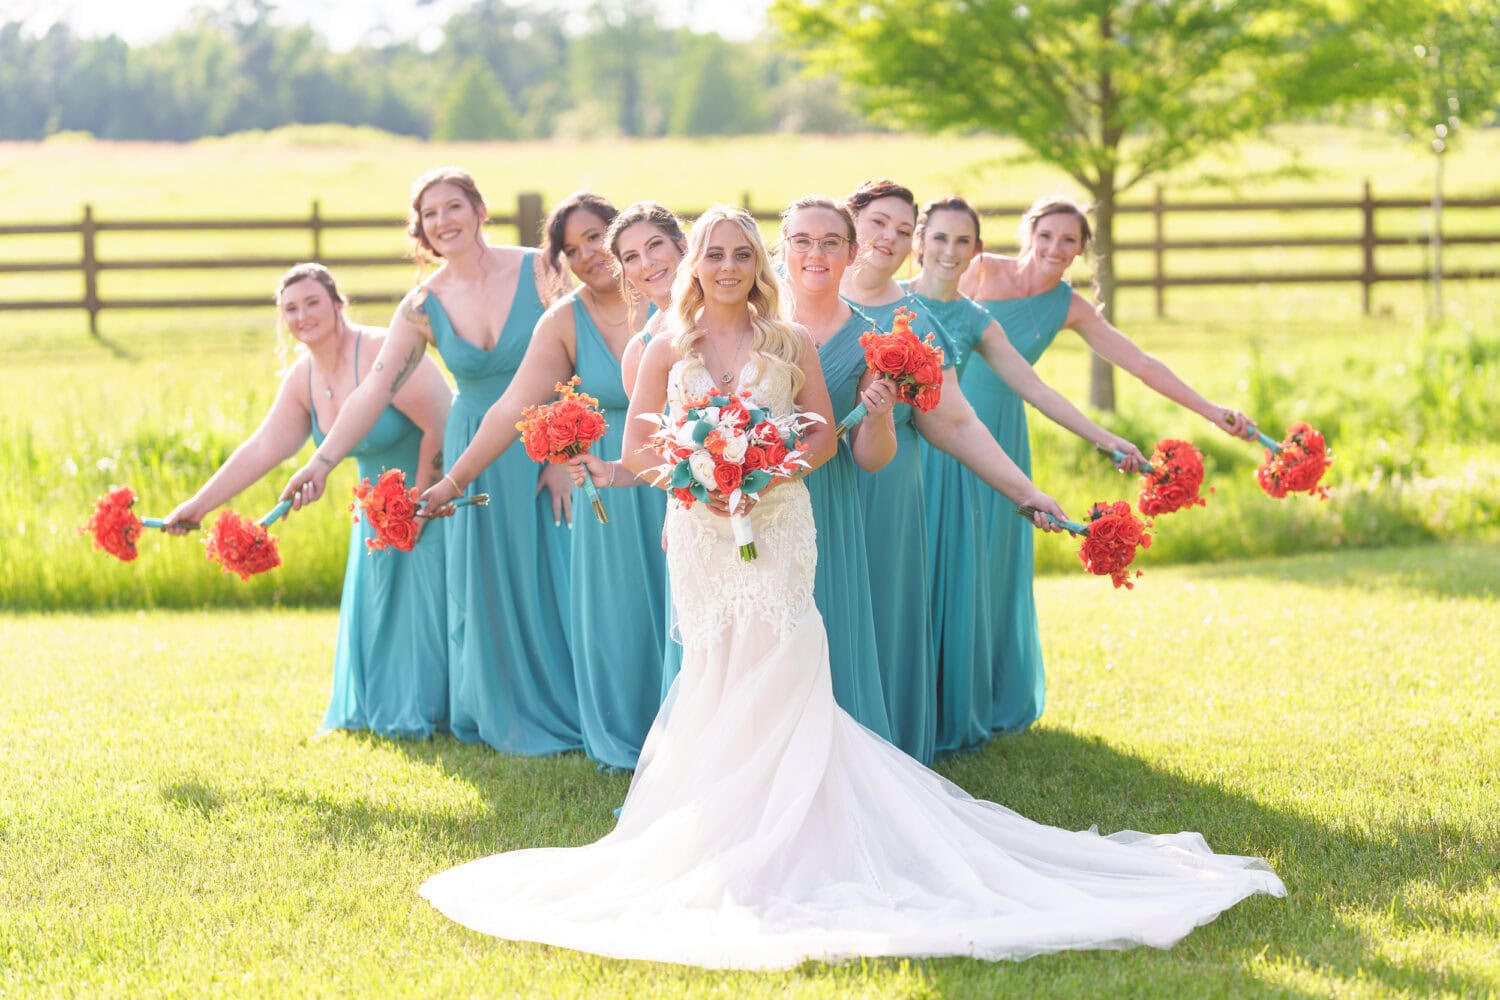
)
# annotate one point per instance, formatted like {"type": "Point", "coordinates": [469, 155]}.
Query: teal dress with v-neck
{"type": "Point", "coordinates": [618, 623]}
{"type": "Point", "coordinates": [390, 664]}
{"type": "Point", "coordinates": [895, 512]}
{"type": "Point", "coordinates": [1019, 682]}
{"type": "Point", "coordinates": [510, 671]}
{"type": "Point", "coordinates": [841, 585]}
{"type": "Point", "coordinates": [961, 512]}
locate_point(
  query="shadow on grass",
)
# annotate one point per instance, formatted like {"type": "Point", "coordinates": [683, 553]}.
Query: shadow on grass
{"type": "Point", "coordinates": [1073, 782]}
{"type": "Point", "coordinates": [1461, 570]}
{"type": "Point", "coordinates": [1053, 777]}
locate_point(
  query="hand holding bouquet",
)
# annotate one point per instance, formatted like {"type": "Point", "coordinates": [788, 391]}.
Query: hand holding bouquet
{"type": "Point", "coordinates": [914, 367]}
{"type": "Point", "coordinates": [391, 509]}
{"type": "Point", "coordinates": [1111, 536]}
{"type": "Point", "coordinates": [563, 428]}
{"type": "Point", "coordinates": [242, 546]}
{"type": "Point", "coordinates": [1173, 480]}
{"type": "Point", "coordinates": [721, 446]}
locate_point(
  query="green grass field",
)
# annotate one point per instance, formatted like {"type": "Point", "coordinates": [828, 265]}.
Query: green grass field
{"type": "Point", "coordinates": [170, 824]}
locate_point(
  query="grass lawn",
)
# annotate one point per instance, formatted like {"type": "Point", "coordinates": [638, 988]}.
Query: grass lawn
{"type": "Point", "coordinates": [170, 824]}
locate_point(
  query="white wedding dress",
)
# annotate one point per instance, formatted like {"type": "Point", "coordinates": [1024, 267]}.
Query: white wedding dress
{"type": "Point", "coordinates": [764, 826]}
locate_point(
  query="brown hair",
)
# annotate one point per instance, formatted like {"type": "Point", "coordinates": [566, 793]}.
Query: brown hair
{"type": "Point", "coordinates": [1054, 205]}
{"type": "Point", "coordinates": [874, 190]}
{"type": "Point", "coordinates": [555, 282]}
{"type": "Point", "coordinates": [821, 201]}
{"type": "Point", "coordinates": [947, 203]}
{"type": "Point", "coordinates": [301, 272]}
{"type": "Point", "coordinates": [652, 214]}
{"type": "Point", "coordinates": [422, 251]}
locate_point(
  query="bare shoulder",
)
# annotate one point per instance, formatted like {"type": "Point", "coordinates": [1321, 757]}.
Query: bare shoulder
{"type": "Point", "coordinates": [660, 351]}
{"type": "Point", "coordinates": [411, 308]}
{"type": "Point", "coordinates": [995, 277]}
{"type": "Point", "coordinates": [294, 380]}
{"type": "Point", "coordinates": [807, 348]}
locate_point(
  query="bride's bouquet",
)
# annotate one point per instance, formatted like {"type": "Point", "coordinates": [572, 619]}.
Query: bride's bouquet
{"type": "Point", "coordinates": [725, 446]}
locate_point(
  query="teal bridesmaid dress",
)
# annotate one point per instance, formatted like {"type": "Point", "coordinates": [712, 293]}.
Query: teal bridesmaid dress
{"type": "Point", "coordinates": [671, 663]}
{"type": "Point", "coordinates": [618, 625]}
{"type": "Point", "coordinates": [390, 666]}
{"type": "Point", "coordinates": [895, 512]}
{"type": "Point", "coordinates": [841, 586]}
{"type": "Point", "coordinates": [961, 622]}
{"type": "Point", "coordinates": [510, 681]}
{"type": "Point", "coordinates": [1018, 681]}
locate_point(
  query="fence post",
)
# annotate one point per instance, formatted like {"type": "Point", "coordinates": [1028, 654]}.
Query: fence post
{"type": "Point", "coordinates": [1367, 241]}
{"type": "Point", "coordinates": [315, 223]}
{"type": "Point", "coordinates": [1158, 251]}
{"type": "Point", "coordinates": [529, 219]}
{"type": "Point", "coordinates": [90, 271]}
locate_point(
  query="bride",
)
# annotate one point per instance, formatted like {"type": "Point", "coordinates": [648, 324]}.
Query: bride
{"type": "Point", "coordinates": [764, 826]}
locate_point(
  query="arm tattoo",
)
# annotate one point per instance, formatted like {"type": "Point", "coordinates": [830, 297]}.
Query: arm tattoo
{"type": "Point", "coordinates": [408, 367]}
{"type": "Point", "coordinates": [325, 460]}
{"type": "Point", "coordinates": [437, 461]}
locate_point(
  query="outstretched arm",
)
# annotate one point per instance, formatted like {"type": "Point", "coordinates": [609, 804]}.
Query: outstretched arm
{"type": "Point", "coordinates": [953, 427]}
{"type": "Point", "coordinates": [277, 439]}
{"type": "Point", "coordinates": [1122, 352]}
{"type": "Point", "coordinates": [426, 399]}
{"type": "Point", "coordinates": [405, 346]}
{"type": "Point", "coordinates": [548, 361]}
{"type": "Point", "coordinates": [997, 351]}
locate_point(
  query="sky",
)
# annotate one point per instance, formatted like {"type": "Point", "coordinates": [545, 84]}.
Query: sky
{"type": "Point", "coordinates": [347, 22]}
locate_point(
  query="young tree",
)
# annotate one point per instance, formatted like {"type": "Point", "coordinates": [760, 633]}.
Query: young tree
{"type": "Point", "coordinates": [475, 108]}
{"type": "Point", "coordinates": [1112, 92]}
{"type": "Point", "coordinates": [1442, 60]}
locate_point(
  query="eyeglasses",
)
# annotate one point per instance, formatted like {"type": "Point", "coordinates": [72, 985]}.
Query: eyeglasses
{"type": "Point", "coordinates": [828, 244]}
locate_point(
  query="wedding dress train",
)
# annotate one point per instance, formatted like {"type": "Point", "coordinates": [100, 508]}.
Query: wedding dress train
{"type": "Point", "coordinates": [764, 826]}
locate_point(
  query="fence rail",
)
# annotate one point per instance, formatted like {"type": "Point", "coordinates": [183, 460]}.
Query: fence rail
{"type": "Point", "coordinates": [527, 221]}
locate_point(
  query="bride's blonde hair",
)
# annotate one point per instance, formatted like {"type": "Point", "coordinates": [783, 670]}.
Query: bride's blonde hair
{"type": "Point", "coordinates": [774, 346]}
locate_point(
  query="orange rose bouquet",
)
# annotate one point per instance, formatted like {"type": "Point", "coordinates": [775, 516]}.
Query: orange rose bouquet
{"type": "Point", "coordinates": [115, 528]}
{"type": "Point", "coordinates": [725, 446]}
{"type": "Point", "coordinates": [563, 428]}
{"type": "Point", "coordinates": [391, 509]}
{"type": "Point", "coordinates": [1173, 480]}
{"type": "Point", "coordinates": [242, 546]}
{"type": "Point", "coordinates": [1111, 536]}
{"type": "Point", "coordinates": [914, 367]}
{"type": "Point", "coordinates": [1295, 465]}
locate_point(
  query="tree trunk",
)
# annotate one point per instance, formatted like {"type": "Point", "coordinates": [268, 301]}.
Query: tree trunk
{"type": "Point", "coordinates": [1101, 372]}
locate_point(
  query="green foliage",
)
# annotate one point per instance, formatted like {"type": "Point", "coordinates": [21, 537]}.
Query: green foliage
{"type": "Point", "coordinates": [172, 826]}
{"type": "Point", "coordinates": [713, 97]}
{"type": "Point", "coordinates": [475, 108]}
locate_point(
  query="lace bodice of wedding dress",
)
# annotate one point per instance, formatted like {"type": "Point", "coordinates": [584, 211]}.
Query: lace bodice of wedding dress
{"type": "Point", "coordinates": [764, 826]}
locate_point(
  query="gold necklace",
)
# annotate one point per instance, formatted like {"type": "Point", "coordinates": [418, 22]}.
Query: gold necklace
{"type": "Point", "coordinates": [327, 382]}
{"type": "Point", "coordinates": [616, 323]}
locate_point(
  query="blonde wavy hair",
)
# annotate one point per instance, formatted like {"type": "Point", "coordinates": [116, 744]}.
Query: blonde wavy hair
{"type": "Point", "coordinates": [774, 345]}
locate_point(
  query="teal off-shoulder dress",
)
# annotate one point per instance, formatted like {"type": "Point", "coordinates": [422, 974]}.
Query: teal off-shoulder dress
{"type": "Point", "coordinates": [895, 511]}
{"type": "Point", "coordinates": [961, 512]}
{"type": "Point", "coordinates": [841, 586]}
{"type": "Point", "coordinates": [510, 680]}
{"type": "Point", "coordinates": [390, 665]}
{"type": "Point", "coordinates": [1019, 682]}
{"type": "Point", "coordinates": [618, 623]}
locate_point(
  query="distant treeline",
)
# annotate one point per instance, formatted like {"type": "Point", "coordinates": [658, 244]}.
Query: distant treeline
{"type": "Point", "coordinates": [500, 72]}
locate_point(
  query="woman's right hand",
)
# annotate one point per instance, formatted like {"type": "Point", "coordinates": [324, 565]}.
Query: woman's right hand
{"type": "Point", "coordinates": [601, 472]}
{"type": "Point", "coordinates": [1045, 505]}
{"type": "Point", "coordinates": [437, 500]}
{"type": "Point", "coordinates": [187, 516]}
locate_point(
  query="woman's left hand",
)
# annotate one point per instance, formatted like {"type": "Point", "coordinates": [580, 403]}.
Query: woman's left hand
{"type": "Point", "coordinates": [719, 504]}
{"type": "Point", "coordinates": [879, 397]}
{"type": "Point", "coordinates": [601, 472]}
{"type": "Point", "coordinates": [1044, 505]}
{"type": "Point", "coordinates": [437, 499]}
{"type": "Point", "coordinates": [558, 479]}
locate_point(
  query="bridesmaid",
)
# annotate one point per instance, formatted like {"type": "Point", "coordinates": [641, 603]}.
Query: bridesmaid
{"type": "Point", "coordinates": [817, 245]}
{"type": "Point", "coordinates": [885, 215]}
{"type": "Point", "coordinates": [390, 664]}
{"type": "Point", "coordinates": [963, 613]}
{"type": "Point", "coordinates": [1028, 296]}
{"type": "Point", "coordinates": [617, 610]}
{"type": "Point", "coordinates": [647, 243]}
{"type": "Point", "coordinates": [510, 674]}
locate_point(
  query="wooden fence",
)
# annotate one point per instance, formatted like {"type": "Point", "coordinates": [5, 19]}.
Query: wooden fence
{"type": "Point", "coordinates": [528, 217]}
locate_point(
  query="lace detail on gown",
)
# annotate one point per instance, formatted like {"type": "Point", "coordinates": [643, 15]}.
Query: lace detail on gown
{"type": "Point", "coordinates": [724, 599]}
